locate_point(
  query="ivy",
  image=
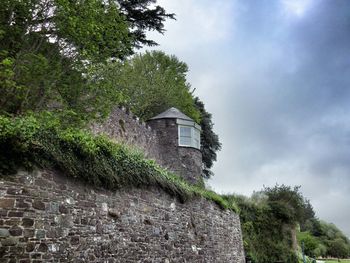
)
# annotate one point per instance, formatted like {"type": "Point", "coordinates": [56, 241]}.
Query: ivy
{"type": "Point", "coordinates": [39, 141]}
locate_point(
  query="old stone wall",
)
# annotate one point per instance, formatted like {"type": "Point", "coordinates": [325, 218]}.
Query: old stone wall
{"type": "Point", "coordinates": [123, 126]}
{"type": "Point", "coordinates": [158, 139]}
{"type": "Point", "coordinates": [47, 217]}
{"type": "Point", "coordinates": [185, 161]}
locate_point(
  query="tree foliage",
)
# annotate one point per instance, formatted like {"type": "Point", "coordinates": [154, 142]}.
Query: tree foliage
{"type": "Point", "coordinates": [47, 49]}
{"type": "Point", "coordinates": [151, 83]}
{"type": "Point", "coordinates": [289, 203]}
{"type": "Point", "coordinates": [142, 17]}
{"type": "Point", "coordinates": [269, 217]}
{"type": "Point", "coordinates": [50, 51]}
{"type": "Point", "coordinates": [266, 235]}
{"type": "Point", "coordinates": [210, 143]}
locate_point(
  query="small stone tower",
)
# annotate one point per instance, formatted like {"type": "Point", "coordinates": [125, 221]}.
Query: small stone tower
{"type": "Point", "coordinates": [179, 143]}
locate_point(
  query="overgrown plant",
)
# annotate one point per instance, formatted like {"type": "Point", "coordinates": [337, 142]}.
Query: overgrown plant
{"type": "Point", "coordinates": [40, 141]}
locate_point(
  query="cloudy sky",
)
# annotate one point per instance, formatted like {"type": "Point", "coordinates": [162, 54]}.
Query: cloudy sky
{"type": "Point", "coordinates": [275, 74]}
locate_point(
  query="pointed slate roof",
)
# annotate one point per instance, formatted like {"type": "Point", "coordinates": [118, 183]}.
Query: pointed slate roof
{"type": "Point", "coordinates": [172, 113]}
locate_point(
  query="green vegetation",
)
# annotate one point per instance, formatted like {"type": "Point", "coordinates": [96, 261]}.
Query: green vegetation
{"type": "Point", "coordinates": [210, 143]}
{"type": "Point", "coordinates": [270, 220]}
{"type": "Point", "coordinates": [324, 240]}
{"type": "Point", "coordinates": [66, 63]}
{"type": "Point", "coordinates": [74, 59]}
{"type": "Point", "coordinates": [50, 51]}
{"type": "Point", "coordinates": [47, 49]}
{"type": "Point", "coordinates": [39, 141]}
{"type": "Point", "coordinates": [151, 83]}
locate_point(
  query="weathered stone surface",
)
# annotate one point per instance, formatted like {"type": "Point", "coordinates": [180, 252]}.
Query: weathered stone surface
{"type": "Point", "coordinates": [134, 225]}
{"type": "Point", "coordinates": [38, 205]}
{"type": "Point", "coordinates": [113, 213]}
{"type": "Point", "coordinates": [63, 209]}
{"type": "Point", "coordinates": [74, 240]}
{"type": "Point", "coordinates": [9, 241]}
{"type": "Point", "coordinates": [15, 214]}
{"type": "Point", "coordinates": [123, 126]}
{"type": "Point", "coordinates": [28, 232]}
{"type": "Point", "coordinates": [20, 203]}
{"type": "Point", "coordinates": [16, 231]}
{"type": "Point", "coordinates": [6, 203]}
{"type": "Point", "coordinates": [4, 232]}
{"type": "Point", "coordinates": [42, 247]}
{"type": "Point", "coordinates": [30, 247]}
{"type": "Point", "coordinates": [40, 234]}
{"type": "Point", "coordinates": [27, 222]}
{"type": "Point", "coordinates": [184, 161]}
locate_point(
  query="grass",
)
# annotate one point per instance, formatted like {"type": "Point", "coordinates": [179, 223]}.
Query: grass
{"type": "Point", "coordinates": [31, 142]}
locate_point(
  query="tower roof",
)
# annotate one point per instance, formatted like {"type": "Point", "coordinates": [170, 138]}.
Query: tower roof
{"type": "Point", "coordinates": [172, 113]}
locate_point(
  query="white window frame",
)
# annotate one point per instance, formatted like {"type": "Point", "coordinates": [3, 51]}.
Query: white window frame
{"type": "Point", "coordinates": [193, 138]}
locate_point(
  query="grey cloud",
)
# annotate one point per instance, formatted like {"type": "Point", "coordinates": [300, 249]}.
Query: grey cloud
{"type": "Point", "coordinates": [279, 89]}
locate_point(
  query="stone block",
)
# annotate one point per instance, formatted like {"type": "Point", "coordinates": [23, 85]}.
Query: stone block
{"type": "Point", "coordinates": [42, 248]}
{"type": "Point", "coordinates": [38, 205]}
{"type": "Point", "coordinates": [27, 222]}
{"type": "Point", "coordinates": [4, 232]}
{"type": "Point", "coordinates": [113, 213]}
{"type": "Point", "coordinates": [74, 240]}
{"type": "Point", "coordinates": [9, 241]}
{"type": "Point", "coordinates": [28, 233]}
{"type": "Point", "coordinates": [53, 207]}
{"type": "Point", "coordinates": [16, 231]}
{"type": "Point", "coordinates": [40, 234]}
{"type": "Point", "coordinates": [6, 203]}
{"type": "Point", "coordinates": [15, 214]}
{"type": "Point", "coordinates": [63, 209]}
{"type": "Point", "coordinates": [21, 204]}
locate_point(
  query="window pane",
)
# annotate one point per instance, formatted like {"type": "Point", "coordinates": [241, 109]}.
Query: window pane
{"type": "Point", "coordinates": [185, 131]}
{"type": "Point", "coordinates": [185, 141]}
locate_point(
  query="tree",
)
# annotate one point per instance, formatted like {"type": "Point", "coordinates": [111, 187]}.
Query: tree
{"type": "Point", "coordinates": [266, 237]}
{"type": "Point", "coordinates": [48, 47]}
{"type": "Point", "coordinates": [310, 243]}
{"type": "Point", "coordinates": [50, 51]}
{"type": "Point", "coordinates": [338, 248]}
{"type": "Point", "coordinates": [210, 143]}
{"type": "Point", "coordinates": [142, 18]}
{"type": "Point", "coordinates": [93, 29]}
{"type": "Point", "coordinates": [151, 83]}
{"type": "Point", "coordinates": [289, 203]}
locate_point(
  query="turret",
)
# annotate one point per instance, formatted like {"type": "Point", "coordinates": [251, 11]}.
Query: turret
{"type": "Point", "coordinates": [179, 143]}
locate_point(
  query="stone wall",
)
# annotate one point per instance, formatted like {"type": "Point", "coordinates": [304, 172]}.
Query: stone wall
{"type": "Point", "coordinates": [123, 126]}
{"type": "Point", "coordinates": [47, 217]}
{"type": "Point", "coordinates": [158, 139]}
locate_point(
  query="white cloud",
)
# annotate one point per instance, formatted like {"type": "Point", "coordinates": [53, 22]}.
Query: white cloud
{"type": "Point", "coordinates": [296, 7]}
{"type": "Point", "coordinates": [198, 23]}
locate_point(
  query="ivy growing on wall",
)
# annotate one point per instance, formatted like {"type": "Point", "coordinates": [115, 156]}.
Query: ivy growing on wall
{"type": "Point", "coordinates": [40, 141]}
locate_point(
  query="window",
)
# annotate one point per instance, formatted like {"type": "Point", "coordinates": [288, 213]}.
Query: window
{"type": "Point", "coordinates": [189, 136]}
